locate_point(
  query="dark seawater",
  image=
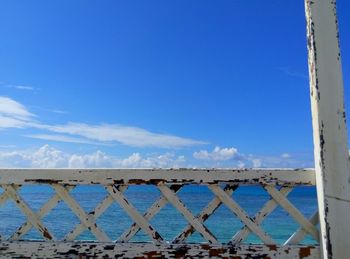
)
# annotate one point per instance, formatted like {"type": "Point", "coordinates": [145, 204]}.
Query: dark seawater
{"type": "Point", "coordinates": [169, 222]}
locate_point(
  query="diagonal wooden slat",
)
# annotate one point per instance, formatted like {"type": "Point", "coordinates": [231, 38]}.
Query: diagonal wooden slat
{"type": "Point", "coordinates": [4, 196]}
{"type": "Point", "coordinates": [267, 209]}
{"type": "Point", "coordinates": [151, 212]}
{"type": "Point", "coordinates": [204, 215]}
{"type": "Point", "coordinates": [32, 217]}
{"type": "Point", "coordinates": [176, 202]}
{"type": "Point", "coordinates": [299, 235]}
{"type": "Point", "coordinates": [134, 214]}
{"type": "Point", "coordinates": [97, 212]}
{"type": "Point", "coordinates": [25, 227]}
{"type": "Point", "coordinates": [87, 220]}
{"type": "Point", "coordinates": [241, 214]}
{"type": "Point", "coordinates": [294, 212]}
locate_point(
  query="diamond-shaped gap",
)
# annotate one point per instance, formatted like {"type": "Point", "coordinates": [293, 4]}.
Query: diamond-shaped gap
{"type": "Point", "coordinates": [32, 234]}
{"type": "Point", "coordinates": [60, 220]}
{"type": "Point", "coordinates": [223, 223]}
{"type": "Point", "coordinates": [195, 238]}
{"type": "Point", "coordinates": [279, 224]}
{"type": "Point", "coordinates": [36, 196]}
{"type": "Point", "coordinates": [86, 235]}
{"type": "Point", "coordinates": [11, 219]}
{"type": "Point", "coordinates": [251, 199]}
{"type": "Point", "coordinates": [169, 222]}
{"type": "Point", "coordinates": [195, 198]}
{"type": "Point", "coordinates": [304, 198]}
{"type": "Point", "coordinates": [309, 240]}
{"type": "Point", "coordinates": [88, 196]}
{"type": "Point", "coordinates": [114, 220]}
{"type": "Point", "coordinates": [252, 239]}
{"type": "Point", "coordinates": [142, 196]}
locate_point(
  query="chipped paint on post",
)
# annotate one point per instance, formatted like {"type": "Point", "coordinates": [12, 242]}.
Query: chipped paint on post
{"type": "Point", "coordinates": [329, 127]}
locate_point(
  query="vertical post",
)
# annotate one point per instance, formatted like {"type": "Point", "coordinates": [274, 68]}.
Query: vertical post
{"type": "Point", "coordinates": [329, 128]}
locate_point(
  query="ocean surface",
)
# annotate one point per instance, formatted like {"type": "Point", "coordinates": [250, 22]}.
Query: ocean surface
{"type": "Point", "coordinates": [169, 222]}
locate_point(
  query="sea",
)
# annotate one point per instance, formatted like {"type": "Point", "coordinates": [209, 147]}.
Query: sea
{"type": "Point", "coordinates": [168, 222]}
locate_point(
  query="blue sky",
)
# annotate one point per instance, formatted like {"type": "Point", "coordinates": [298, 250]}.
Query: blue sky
{"type": "Point", "coordinates": [157, 83]}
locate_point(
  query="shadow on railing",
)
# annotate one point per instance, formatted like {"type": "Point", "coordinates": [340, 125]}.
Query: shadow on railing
{"type": "Point", "coordinates": [212, 192]}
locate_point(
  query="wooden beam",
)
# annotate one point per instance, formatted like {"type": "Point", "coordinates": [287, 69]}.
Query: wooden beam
{"type": "Point", "coordinates": [147, 250]}
{"type": "Point", "coordinates": [154, 176]}
{"type": "Point", "coordinates": [329, 127]}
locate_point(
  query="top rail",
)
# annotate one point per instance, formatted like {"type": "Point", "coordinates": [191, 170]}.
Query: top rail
{"type": "Point", "coordinates": [154, 176]}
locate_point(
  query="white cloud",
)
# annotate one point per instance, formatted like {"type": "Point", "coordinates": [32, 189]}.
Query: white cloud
{"type": "Point", "coordinates": [285, 155]}
{"type": "Point", "coordinates": [21, 87]}
{"type": "Point", "coordinates": [8, 122]}
{"type": "Point", "coordinates": [96, 159]}
{"type": "Point", "coordinates": [218, 154]}
{"type": "Point", "coordinates": [58, 111]}
{"type": "Point", "coordinates": [256, 163]}
{"type": "Point", "coordinates": [130, 136]}
{"type": "Point", "coordinates": [7, 146]}
{"type": "Point", "coordinates": [63, 138]}
{"type": "Point", "coordinates": [10, 107]}
{"type": "Point", "coordinates": [286, 161]}
{"type": "Point", "coordinates": [166, 160]}
{"type": "Point", "coordinates": [14, 115]}
{"type": "Point", "coordinates": [49, 157]}
{"type": "Point", "coordinates": [231, 158]}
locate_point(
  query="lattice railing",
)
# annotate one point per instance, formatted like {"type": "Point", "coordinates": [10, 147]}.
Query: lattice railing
{"type": "Point", "coordinates": [222, 183]}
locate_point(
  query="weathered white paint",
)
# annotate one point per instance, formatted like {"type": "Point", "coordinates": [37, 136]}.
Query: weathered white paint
{"type": "Point", "coordinates": [25, 227]}
{"type": "Point", "coordinates": [134, 214]}
{"type": "Point", "coordinates": [151, 212]}
{"type": "Point", "coordinates": [197, 225]}
{"type": "Point", "coordinates": [267, 209]}
{"type": "Point", "coordinates": [138, 176]}
{"type": "Point", "coordinates": [168, 183]}
{"type": "Point", "coordinates": [27, 211]}
{"type": "Point", "coordinates": [241, 214]}
{"type": "Point", "coordinates": [300, 234]}
{"type": "Point", "coordinates": [87, 220]}
{"type": "Point", "coordinates": [102, 207]}
{"type": "Point", "coordinates": [329, 127]}
{"type": "Point", "coordinates": [204, 215]}
{"type": "Point", "coordinates": [293, 211]}
{"type": "Point", "coordinates": [77, 250]}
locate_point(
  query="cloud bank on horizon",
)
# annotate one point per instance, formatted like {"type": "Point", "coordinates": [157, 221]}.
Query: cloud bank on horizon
{"type": "Point", "coordinates": [49, 157]}
{"type": "Point", "coordinates": [15, 115]}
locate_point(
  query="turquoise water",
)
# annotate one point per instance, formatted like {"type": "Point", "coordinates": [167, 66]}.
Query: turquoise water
{"type": "Point", "coordinates": [169, 222]}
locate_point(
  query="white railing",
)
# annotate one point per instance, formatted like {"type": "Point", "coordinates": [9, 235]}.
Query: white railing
{"type": "Point", "coordinates": [222, 183]}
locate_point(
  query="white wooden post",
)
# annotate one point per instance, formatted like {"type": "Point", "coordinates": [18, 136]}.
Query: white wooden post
{"type": "Point", "coordinates": [329, 128]}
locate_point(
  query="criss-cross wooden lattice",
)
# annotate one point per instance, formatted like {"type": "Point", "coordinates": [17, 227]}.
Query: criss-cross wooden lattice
{"type": "Point", "coordinates": [168, 195]}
